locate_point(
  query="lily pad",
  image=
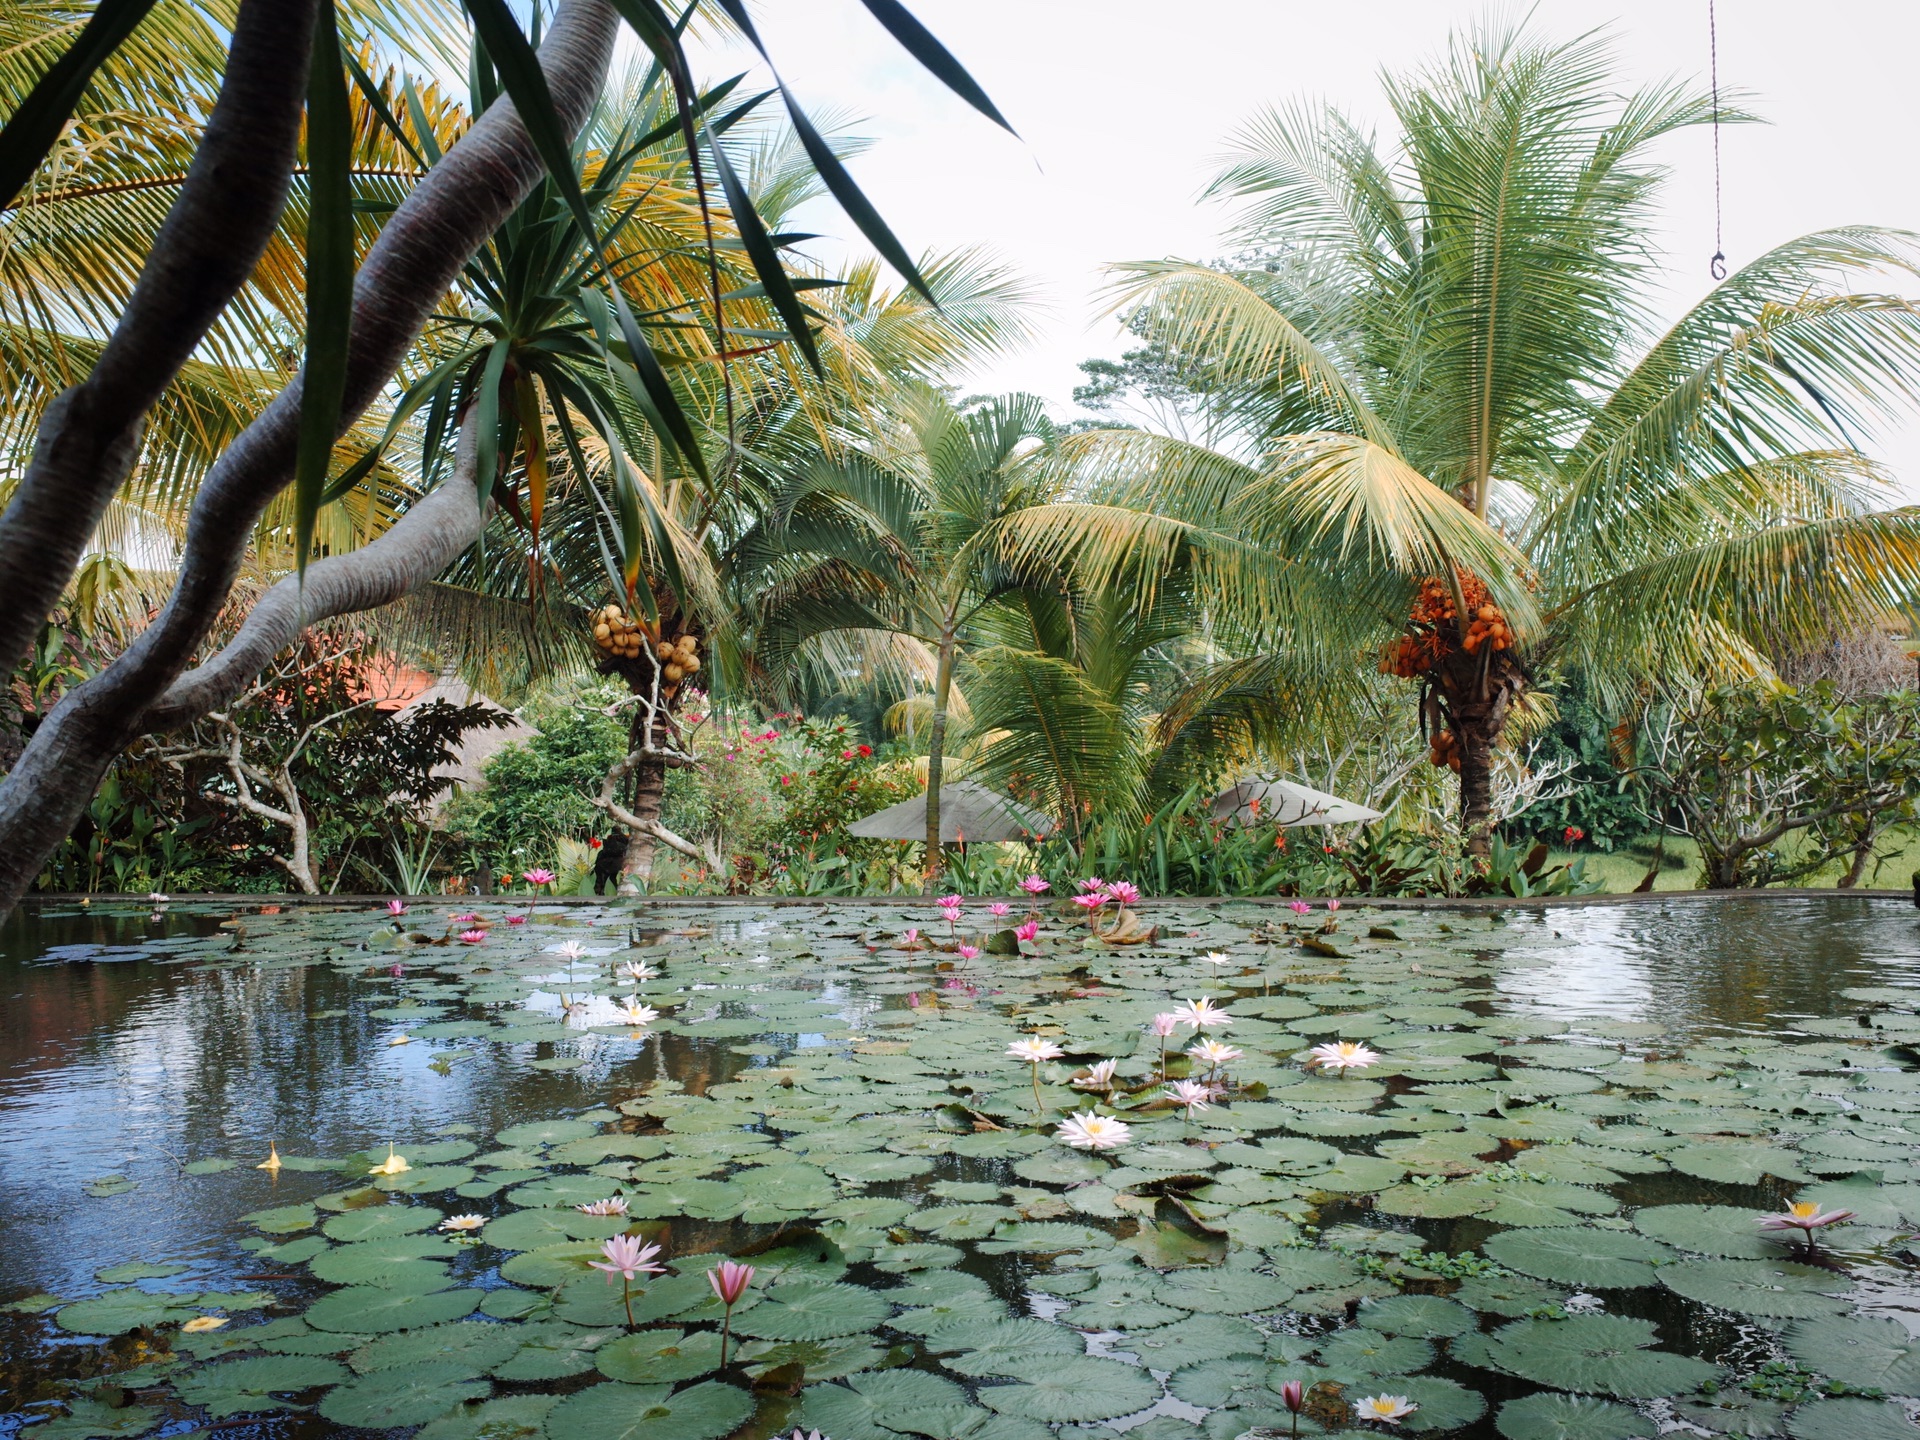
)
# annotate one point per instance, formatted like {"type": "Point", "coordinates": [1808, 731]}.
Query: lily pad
{"type": "Point", "coordinates": [1867, 1352]}
{"type": "Point", "coordinates": [807, 1311]}
{"type": "Point", "coordinates": [860, 1408]}
{"type": "Point", "coordinates": [476, 1345]}
{"type": "Point", "coordinates": [1851, 1420]}
{"type": "Point", "coordinates": [1706, 1230]}
{"type": "Point", "coordinates": [1778, 1289]}
{"type": "Point", "coordinates": [1596, 1259]}
{"type": "Point", "coordinates": [407, 1395]}
{"type": "Point", "coordinates": [364, 1310]}
{"type": "Point", "coordinates": [513, 1417]}
{"type": "Point", "coordinates": [1548, 1416]}
{"type": "Point", "coordinates": [1075, 1390]}
{"type": "Point", "coordinates": [656, 1357]}
{"type": "Point", "coordinates": [1593, 1354]}
{"type": "Point", "coordinates": [234, 1387]}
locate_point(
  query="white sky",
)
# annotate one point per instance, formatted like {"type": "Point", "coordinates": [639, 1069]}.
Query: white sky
{"type": "Point", "coordinates": [1123, 105]}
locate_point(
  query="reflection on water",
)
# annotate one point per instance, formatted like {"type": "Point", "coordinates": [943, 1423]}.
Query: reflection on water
{"type": "Point", "coordinates": [114, 1063]}
{"type": "Point", "coordinates": [1742, 964]}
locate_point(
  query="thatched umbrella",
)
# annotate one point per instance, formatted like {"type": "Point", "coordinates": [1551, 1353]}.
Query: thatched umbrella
{"type": "Point", "coordinates": [968, 813]}
{"type": "Point", "coordinates": [1255, 801]}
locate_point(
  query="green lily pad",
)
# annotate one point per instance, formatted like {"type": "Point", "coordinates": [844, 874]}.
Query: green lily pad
{"type": "Point", "coordinates": [88, 1419]}
{"type": "Point", "coordinates": [1737, 1162]}
{"type": "Point", "coordinates": [477, 1346]}
{"type": "Point", "coordinates": [1222, 1292]}
{"type": "Point", "coordinates": [807, 1311]}
{"type": "Point", "coordinates": [1596, 1259]}
{"type": "Point", "coordinates": [137, 1270]}
{"type": "Point", "coordinates": [550, 1266]}
{"type": "Point", "coordinates": [1706, 1230]}
{"type": "Point", "coordinates": [659, 1357]}
{"type": "Point", "coordinates": [1194, 1338]}
{"type": "Point", "coordinates": [233, 1387]}
{"type": "Point", "coordinates": [1075, 1390]}
{"type": "Point", "coordinates": [1851, 1420]}
{"type": "Point", "coordinates": [1867, 1352]}
{"type": "Point", "coordinates": [1779, 1289]}
{"type": "Point", "coordinates": [1592, 1354]}
{"type": "Point", "coordinates": [535, 1133]}
{"type": "Point", "coordinates": [364, 1310]}
{"type": "Point", "coordinates": [1361, 1351]}
{"type": "Point", "coordinates": [1549, 1416]}
{"type": "Point", "coordinates": [407, 1395]}
{"type": "Point", "coordinates": [552, 1350]}
{"type": "Point", "coordinates": [1002, 1347]}
{"type": "Point", "coordinates": [379, 1220]}
{"type": "Point", "coordinates": [862, 1407]}
{"type": "Point", "coordinates": [119, 1311]}
{"type": "Point", "coordinates": [1426, 1317]}
{"type": "Point", "coordinates": [513, 1417]}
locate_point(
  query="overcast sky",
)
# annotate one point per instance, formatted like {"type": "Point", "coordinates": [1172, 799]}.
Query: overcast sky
{"type": "Point", "coordinates": [1124, 105]}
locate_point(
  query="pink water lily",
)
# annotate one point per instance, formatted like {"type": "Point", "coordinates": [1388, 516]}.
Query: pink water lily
{"type": "Point", "coordinates": [1335, 905]}
{"type": "Point", "coordinates": [1034, 885]}
{"type": "Point", "coordinates": [516, 919]}
{"type": "Point", "coordinates": [910, 938]}
{"type": "Point", "coordinates": [628, 1257]}
{"type": "Point", "coordinates": [729, 1280]}
{"type": "Point", "coordinates": [1163, 1025]}
{"type": "Point", "coordinates": [1029, 931]}
{"type": "Point", "coordinates": [1806, 1217]}
{"type": "Point", "coordinates": [968, 952]}
{"type": "Point", "coordinates": [1122, 893]}
{"type": "Point", "coordinates": [396, 907]}
{"type": "Point", "coordinates": [1092, 900]}
{"type": "Point", "coordinates": [472, 937]}
{"type": "Point", "coordinates": [999, 908]}
{"type": "Point", "coordinates": [539, 876]}
{"type": "Point", "coordinates": [1300, 907]}
{"type": "Point", "coordinates": [617, 1205]}
{"type": "Point", "coordinates": [1191, 1095]}
{"type": "Point", "coordinates": [1092, 883]}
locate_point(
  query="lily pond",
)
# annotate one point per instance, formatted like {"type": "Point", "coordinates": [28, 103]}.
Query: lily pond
{"type": "Point", "coordinates": [322, 1170]}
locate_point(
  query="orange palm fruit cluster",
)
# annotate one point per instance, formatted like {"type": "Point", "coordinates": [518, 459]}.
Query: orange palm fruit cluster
{"type": "Point", "coordinates": [618, 634]}
{"type": "Point", "coordinates": [1488, 627]}
{"type": "Point", "coordinates": [1446, 750]}
{"type": "Point", "coordinates": [1411, 655]}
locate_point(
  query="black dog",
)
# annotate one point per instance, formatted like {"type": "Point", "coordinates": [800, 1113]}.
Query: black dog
{"type": "Point", "coordinates": [606, 865]}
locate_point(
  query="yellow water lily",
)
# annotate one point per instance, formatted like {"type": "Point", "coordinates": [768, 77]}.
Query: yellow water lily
{"type": "Point", "coordinates": [392, 1165]}
{"type": "Point", "coordinates": [272, 1162]}
{"type": "Point", "coordinates": [200, 1324]}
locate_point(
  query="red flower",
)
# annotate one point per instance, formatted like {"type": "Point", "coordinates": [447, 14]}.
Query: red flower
{"type": "Point", "coordinates": [866, 750]}
{"type": "Point", "coordinates": [1573, 833]}
{"type": "Point", "coordinates": [846, 754]}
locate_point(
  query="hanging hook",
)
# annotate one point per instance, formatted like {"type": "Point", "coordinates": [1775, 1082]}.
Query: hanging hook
{"type": "Point", "coordinates": [1717, 266]}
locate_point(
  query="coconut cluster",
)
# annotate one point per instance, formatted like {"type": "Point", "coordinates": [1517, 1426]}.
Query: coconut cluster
{"type": "Point", "coordinates": [620, 635]}
{"type": "Point", "coordinates": [1437, 619]}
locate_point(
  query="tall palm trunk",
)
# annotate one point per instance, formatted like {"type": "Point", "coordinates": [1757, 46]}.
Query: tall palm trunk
{"type": "Point", "coordinates": [936, 751]}
{"type": "Point", "coordinates": [649, 794]}
{"type": "Point", "coordinates": [1477, 735]}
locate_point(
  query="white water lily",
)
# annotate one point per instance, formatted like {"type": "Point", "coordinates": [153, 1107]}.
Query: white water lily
{"type": "Point", "coordinates": [1200, 1013]}
{"type": "Point", "coordinates": [463, 1224]}
{"type": "Point", "coordinates": [1087, 1130]}
{"type": "Point", "coordinates": [1216, 959]}
{"type": "Point", "coordinates": [639, 1014]}
{"type": "Point", "coordinates": [1098, 1077]}
{"type": "Point", "coordinates": [638, 970]}
{"type": "Point", "coordinates": [1342, 1055]}
{"type": "Point", "coordinates": [1213, 1053]}
{"type": "Point", "coordinates": [570, 951]}
{"type": "Point", "coordinates": [1034, 1049]}
{"type": "Point", "coordinates": [1384, 1409]}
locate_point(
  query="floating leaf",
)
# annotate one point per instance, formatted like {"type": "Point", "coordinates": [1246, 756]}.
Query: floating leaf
{"type": "Point", "coordinates": [1868, 1352]}
{"type": "Point", "coordinates": [656, 1357]}
{"type": "Point", "coordinates": [232, 1387]}
{"type": "Point", "coordinates": [472, 1344]}
{"type": "Point", "coordinates": [513, 1417]}
{"type": "Point", "coordinates": [1595, 1354]}
{"type": "Point", "coordinates": [1427, 1317]}
{"type": "Point", "coordinates": [613, 1411]}
{"type": "Point", "coordinates": [1597, 1259]}
{"type": "Point", "coordinates": [1548, 1416]}
{"type": "Point", "coordinates": [805, 1311]}
{"type": "Point", "coordinates": [1779, 1289]}
{"type": "Point", "coordinates": [1075, 1390]}
{"type": "Point", "coordinates": [860, 1408]}
{"type": "Point", "coordinates": [1851, 1420]}
{"type": "Point", "coordinates": [363, 1310]}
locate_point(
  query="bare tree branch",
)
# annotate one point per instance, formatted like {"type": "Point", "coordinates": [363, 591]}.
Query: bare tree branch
{"type": "Point", "coordinates": [214, 233]}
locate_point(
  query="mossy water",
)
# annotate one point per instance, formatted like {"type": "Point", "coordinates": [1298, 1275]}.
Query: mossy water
{"type": "Point", "coordinates": [1536, 1215]}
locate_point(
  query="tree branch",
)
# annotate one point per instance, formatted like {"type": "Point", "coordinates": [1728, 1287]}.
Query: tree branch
{"type": "Point", "coordinates": [206, 248]}
{"type": "Point", "coordinates": [419, 254]}
{"type": "Point", "coordinates": [421, 544]}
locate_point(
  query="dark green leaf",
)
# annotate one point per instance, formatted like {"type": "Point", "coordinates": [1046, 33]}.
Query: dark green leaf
{"type": "Point", "coordinates": [921, 44]}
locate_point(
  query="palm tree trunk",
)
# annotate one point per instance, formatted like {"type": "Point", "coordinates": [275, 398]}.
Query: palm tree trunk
{"type": "Point", "coordinates": [936, 747]}
{"type": "Point", "coordinates": [649, 793]}
{"type": "Point", "coordinates": [1477, 734]}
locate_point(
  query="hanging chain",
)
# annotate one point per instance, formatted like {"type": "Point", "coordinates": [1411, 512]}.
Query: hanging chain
{"type": "Point", "coordinates": [1718, 265]}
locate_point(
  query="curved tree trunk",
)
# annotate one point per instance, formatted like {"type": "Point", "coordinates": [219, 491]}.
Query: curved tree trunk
{"type": "Point", "coordinates": [936, 755]}
{"type": "Point", "coordinates": [649, 793]}
{"type": "Point", "coordinates": [1477, 735]}
{"type": "Point", "coordinates": [418, 255]}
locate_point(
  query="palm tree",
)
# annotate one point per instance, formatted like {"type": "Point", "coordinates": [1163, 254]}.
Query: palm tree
{"type": "Point", "coordinates": [1462, 443]}
{"type": "Point", "coordinates": [899, 542]}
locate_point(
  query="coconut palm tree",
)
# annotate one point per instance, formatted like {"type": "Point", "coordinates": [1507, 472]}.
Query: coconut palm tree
{"type": "Point", "coordinates": [1463, 444]}
{"type": "Point", "coordinates": [889, 553]}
